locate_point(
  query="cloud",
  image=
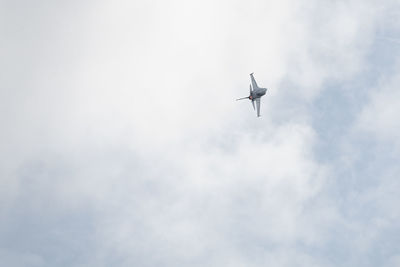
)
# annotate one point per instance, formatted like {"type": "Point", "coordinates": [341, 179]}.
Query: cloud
{"type": "Point", "coordinates": [123, 145]}
{"type": "Point", "coordinates": [379, 116]}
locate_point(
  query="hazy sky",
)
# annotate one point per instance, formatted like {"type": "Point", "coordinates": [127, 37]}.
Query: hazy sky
{"type": "Point", "coordinates": [121, 143]}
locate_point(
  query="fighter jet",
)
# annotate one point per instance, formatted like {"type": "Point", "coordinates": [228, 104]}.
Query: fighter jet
{"type": "Point", "coordinates": [255, 94]}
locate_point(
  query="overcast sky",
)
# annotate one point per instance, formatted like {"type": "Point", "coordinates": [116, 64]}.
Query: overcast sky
{"type": "Point", "coordinates": [121, 142]}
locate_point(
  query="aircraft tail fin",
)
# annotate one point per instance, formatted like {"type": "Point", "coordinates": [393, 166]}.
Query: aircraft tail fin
{"type": "Point", "coordinates": [248, 97]}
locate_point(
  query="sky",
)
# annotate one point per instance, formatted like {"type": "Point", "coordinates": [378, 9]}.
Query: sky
{"type": "Point", "coordinates": [121, 142]}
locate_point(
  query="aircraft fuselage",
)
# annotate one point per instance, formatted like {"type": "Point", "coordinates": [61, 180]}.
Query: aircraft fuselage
{"type": "Point", "coordinates": [257, 93]}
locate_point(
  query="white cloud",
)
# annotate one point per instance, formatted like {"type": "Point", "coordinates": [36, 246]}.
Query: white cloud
{"type": "Point", "coordinates": [379, 116]}
{"type": "Point", "coordinates": [125, 118]}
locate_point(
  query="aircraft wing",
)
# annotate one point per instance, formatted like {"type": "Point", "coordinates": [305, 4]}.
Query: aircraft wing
{"type": "Point", "coordinates": [258, 102]}
{"type": "Point", "coordinates": [253, 81]}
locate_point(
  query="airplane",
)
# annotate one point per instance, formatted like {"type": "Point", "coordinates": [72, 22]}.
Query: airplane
{"type": "Point", "coordinates": [255, 94]}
